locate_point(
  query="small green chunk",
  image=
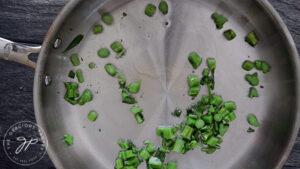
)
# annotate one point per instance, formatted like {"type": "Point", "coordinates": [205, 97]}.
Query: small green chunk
{"type": "Point", "coordinates": [126, 98]}
{"type": "Point", "coordinates": [230, 117]}
{"type": "Point", "coordinates": [119, 164]}
{"type": "Point", "coordinates": [252, 79]}
{"type": "Point", "coordinates": [122, 80]}
{"type": "Point", "coordinates": [92, 65]}
{"type": "Point", "coordinates": [258, 64]}
{"type": "Point", "coordinates": [103, 53]}
{"type": "Point", "coordinates": [212, 141]}
{"type": "Point", "coordinates": [107, 18]}
{"type": "Point", "coordinates": [144, 154]}
{"type": "Point", "coordinates": [205, 72]}
{"type": "Point", "coordinates": [165, 132]}
{"type": "Point", "coordinates": [207, 118]}
{"type": "Point", "coordinates": [248, 65]}
{"type": "Point", "coordinates": [75, 59]}
{"type": "Point", "coordinates": [230, 106]}
{"type": "Point", "coordinates": [253, 93]}
{"type": "Point", "coordinates": [110, 69]}
{"type": "Point", "coordinates": [135, 87]}
{"type": "Point", "coordinates": [219, 20]}
{"type": "Point", "coordinates": [163, 7]}
{"type": "Point", "coordinates": [177, 112]}
{"type": "Point", "coordinates": [98, 29]}
{"type": "Point", "coordinates": [252, 39]}
{"type": "Point", "coordinates": [211, 62]}
{"type": "Point", "coordinates": [71, 74]}
{"type": "Point", "coordinates": [229, 34]}
{"type": "Point", "coordinates": [252, 120]}
{"type": "Point", "coordinates": [117, 47]}
{"type": "Point", "coordinates": [92, 116]}
{"type": "Point", "coordinates": [150, 148]}
{"type": "Point", "coordinates": [179, 146]}
{"type": "Point", "coordinates": [187, 132]}
{"type": "Point", "coordinates": [193, 81]}
{"type": "Point", "coordinates": [223, 129]}
{"type": "Point", "coordinates": [136, 110]}
{"type": "Point", "coordinates": [218, 117]}
{"type": "Point", "coordinates": [199, 123]}
{"type": "Point", "coordinates": [86, 96]}
{"type": "Point", "coordinates": [216, 100]}
{"type": "Point", "coordinates": [155, 163]}
{"type": "Point", "coordinates": [150, 10]}
{"type": "Point", "coordinates": [265, 67]}
{"type": "Point", "coordinates": [172, 165]}
{"type": "Point", "coordinates": [250, 130]}
{"type": "Point", "coordinates": [208, 150]}
{"type": "Point", "coordinates": [79, 76]}
{"type": "Point", "coordinates": [69, 140]}
{"type": "Point", "coordinates": [139, 118]}
{"type": "Point", "coordinates": [195, 60]}
{"type": "Point", "coordinates": [194, 91]}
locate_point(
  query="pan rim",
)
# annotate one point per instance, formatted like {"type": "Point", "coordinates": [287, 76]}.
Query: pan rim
{"type": "Point", "coordinates": [271, 13]}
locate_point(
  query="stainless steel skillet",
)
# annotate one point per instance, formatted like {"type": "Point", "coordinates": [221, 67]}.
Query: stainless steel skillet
{"type": "Point", "coordinates": [157, 55]}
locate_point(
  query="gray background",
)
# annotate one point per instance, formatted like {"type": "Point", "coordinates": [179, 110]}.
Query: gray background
{"type": "Point", "coordinates": [27, 21]}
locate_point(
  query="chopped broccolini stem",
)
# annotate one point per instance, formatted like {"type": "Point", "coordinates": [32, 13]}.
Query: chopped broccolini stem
{"type": "Point", "coordinates": [103, 53]}
{"type": "Point", "coordinates": [165, 132]}
{"type": "Point", "coordinates": [155, 163]}
{"type": "Point", "coordinates": [223, 129]}
{"type": "Point", "coordinates": [74, 43]}
{"type": "Point", "coordinates": [122, 80]}
{"type": "Point", "coordinates": [98, 29]}
{"type": "Point", "coordinates": [252, 79]}
{"type": "Point", "coordinates": [119, 55]}
{"type": "Point", "coordinates": [163, 7]}
{"type": "Point", "coordinates": [92, 116]}
{"type": "Point", "coordinates": [75, 59]}
{"type": "Point", "coordinates": [219, 20]}
{"type": "Point", "coordinates": [136, 110]}
{"type": "Point", "coordinates": [229, 34]}
{"type": "Point", "coordinates": [253, 93]}
{"type": "Point", "coordinates": [250, 130]}
{"type": "Point", "coordinates": [193, 81]}
{"type": "Point", "coordinates": [69, 140]}
{"type": "Point", "coordinates": [212, 141]}
{"type": "Point", "coordinates": [150, 10]}
{"type": "Point", "coordinates": [126, 98]}
{"type": "Point", "coordinates": [199, 123]}
{"type": "Point", "coordinates": [194, 91]}
{"type": "Point", "coordinates": [179, 146]}
{"type": "Point", "coordinates": [176, 112]}
{"type": "Point", "coordinates": [211, 62]}
{"type": "Point", "coordinates": [230, 106]}
{"type": "Point", "coordinates": [258, 64]}
{"type": "Point", "coordinates": [110, 69]}
{"type": "Point", "coordinates": [86, 96]}
{"type": "Point", "coordinates": [207, 118]}
{"type": "Point", "coordinates": [205, 72]}
{"type": "Point", "coordinates": [92, 65]}
{"type": "Point", "coordinates": [117, 47]}
{"type": "Point", "coordinates": [135, 87]}
{"type": "Point", "coordinates": [107, 18]}
{"type": "Point", "coordinates": [248, 65]}
{"type": "Point", "coordinates": [119, 164]}
{"type": "Point", "coordinates": [79, 76]}
{"type": "Point", "coordinates": [139, 118]}
{"type": "Point", "coordinates": [252, 120]}
{"type": "Point", "coordinates": [195, 60]}
{"type": "Point", "coordinates": [187, 132]}
{"type": "Point", "coordinates": [252, 39]}
{"type": "Point", "coordinates": [265, 67]}
{"type": "Point", "coordinates": [71, 74]}
{"type": "Point", "coordinates": [172, 165]}
{"type": "Point", "coordinates": [144, 154]}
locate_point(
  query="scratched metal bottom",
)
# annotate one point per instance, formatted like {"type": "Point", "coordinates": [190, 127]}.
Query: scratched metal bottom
{"type": "Point", "coordinates": [157, 54]}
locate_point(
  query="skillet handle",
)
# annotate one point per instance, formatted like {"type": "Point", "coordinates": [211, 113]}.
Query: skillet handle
{"type": "Point", "coordinates": [17, 53]}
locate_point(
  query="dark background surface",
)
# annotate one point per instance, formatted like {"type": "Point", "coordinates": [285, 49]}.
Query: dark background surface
{"type": "Point", "coordinates": [27, 21]}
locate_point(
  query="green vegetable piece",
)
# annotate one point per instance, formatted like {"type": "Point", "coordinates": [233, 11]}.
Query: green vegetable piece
{"type": "Point", "coordinates": [107, 19]}
{"type": "Point", "coordinates": [250, 130]}
{"type": "Point", "coordinates": [229, 34]}
{"type": "Point", "coordinates": [86, 97]}
{"type": "Point", "coordinates": [205, 72]}
{"type": "Point", "coordinates": [150, 10]}
{"type": "Point", "coordinates": [165, 132]}
{"type": "Point", "coordinates": [230, 117]}
{"type": "Point", "coordinates": [265, 67]}
{"type": "Point", "coordinates": [206, 135]}
{"type": "Point", "coordinates": [75, 59]}
{"type": "Point", "coordinates": [193, 81]}
{"type": "Point", "coordinates": [98, 29]}
{"type": "Point", "coordinates": [211, 62]}
{"type": "Point", "coordinates": [124, 144]}
{"type": "Point", "coordinates": [218, 117]}
{"type": "Point", "coordinates": [204, 100]}
{"type": "Point", "coordinates": [122, 80]}
{"type": "Point", "coordinates": [136, 110]}
{"type": "Point", "coordinates": [74, 43]}
{"type": "Point", "coordinates": [144, 154]}
{"type": "Point", "coordinates": [92, 65]}
{"type": "Point", "coordinates": [71, 74]}
{"type": "Point", "coordinates": [163, 7]}
{"type": "Point", "coordinates": [207, 118]}
{"type": "Point", "coordinates": [194, 91]}
{"type": "Point", "coordinates": [208, 150]}
{"type": "Point", "coordinates": [163, 150]}
{"type": "Point", "coordinates": [187, 132]}
{"type": "Point", "coordinates": [126, 98]}
{"type": "Point", "coordinates": [191, 121]}
{"type": "Point", "coordinates": [155, 163]}
{"type": "Point", "coordinates": [177, 112]}
{"type": "Point", "coordinates": [258, 64]}
{"type": "Point", "coordinates": [103, 53]}
{"type": "Point", "coordinates": [139, 118]}
{"type": "Point", "coordinates": [199, 123]}
{"type": "Point", "coordinates": [117, 47]}
{"type": "Point", "coordinates": [248, 65]}
{"type": "Point", "coordinates": [195, 60]}
{"type": "Point", "coordinates": [172, 165]}
{"type": "Point", "coordinates": [219, 20]}
{"type": "Point", "coordinates": [223, 129]}
{"type": "Point", "coordinates": [92, 116]}
{"type": "Point", "coordinates": [135, 87]}
{"type": "Point", "coordinates": [110, 69]}
{"type": "Point", "coordinates": [230, 106]}
{"type": "Point", "coordinates": [119, 55]}
{"type": "Point", "coordinates": [212, 141]}
{"type": "Point", "coordinates": [253, 93]}
{"type": "Point", "coordinates": [150, 148]}
{"type": "Point", "coordinates": [192, 145]}
{"type": "Point", "coordinates": [179, 146]}
{"type": "Point", "coordinates": [252, 39]}
{"type": "Point", "coordinates": [252, 79]}
{"type": "Point", "coordinates": [69, 140]}
{"type": "Point", "coordinates": [79, 76]}
{"type": "Point", "coordinates": [119, 164]}
{"type": "Point", "coordinates": [72, 101]}
{"type": "Point", "coordinates": [252, 120]}
{"type": "Point", "coordinates": [216, 100]}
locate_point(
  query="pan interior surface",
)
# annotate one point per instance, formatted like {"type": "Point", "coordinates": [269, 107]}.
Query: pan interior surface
{"type": "Point", "coordinates": [157, 53]}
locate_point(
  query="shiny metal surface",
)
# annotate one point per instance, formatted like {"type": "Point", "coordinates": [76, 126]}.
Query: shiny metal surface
{"type": "Point", "coordinates": [157, 55]}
